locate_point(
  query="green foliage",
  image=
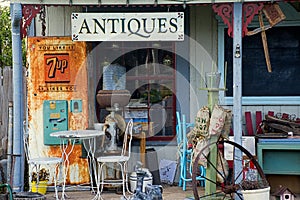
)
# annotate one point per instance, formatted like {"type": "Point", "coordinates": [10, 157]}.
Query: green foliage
{"type": "Point", "coordinates": [6, 39]}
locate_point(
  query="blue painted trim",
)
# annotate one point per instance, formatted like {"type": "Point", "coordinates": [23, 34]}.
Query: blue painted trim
{"type": "Point", "coordinates": [264, 100]}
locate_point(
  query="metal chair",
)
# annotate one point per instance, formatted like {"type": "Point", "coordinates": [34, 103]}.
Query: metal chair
{"type": "Point", "coordinates": [185, 154]}
{"type": "Point", "coordinates": [121, 160]}
{"type": "Point", "coordinates": [9, 189]}
{"type": "Point", "coordinates": [37, 162]}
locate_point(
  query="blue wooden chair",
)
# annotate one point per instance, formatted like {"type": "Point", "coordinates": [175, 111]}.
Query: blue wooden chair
{"type": "Point", "coordinates": [185, 154]}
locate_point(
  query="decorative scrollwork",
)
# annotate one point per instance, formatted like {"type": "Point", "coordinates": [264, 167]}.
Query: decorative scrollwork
{"type": "Point", "coordinates": [225, 11]}
{"type": "Point", "coordinates": [74, 16]}
{"type": "Point", "coordinates": [249, 11]}
{"type": "Point", "coordinates": [74, 37]}
{"type": "Point", "coordinates": [29, 12]}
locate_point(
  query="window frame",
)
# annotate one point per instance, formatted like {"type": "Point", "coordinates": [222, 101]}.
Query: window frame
{"type": "Point", "coordinates": [250, 100]}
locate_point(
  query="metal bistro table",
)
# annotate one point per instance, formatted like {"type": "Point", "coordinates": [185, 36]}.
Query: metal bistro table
{"type": "Point", "coordinates": [68, 140]}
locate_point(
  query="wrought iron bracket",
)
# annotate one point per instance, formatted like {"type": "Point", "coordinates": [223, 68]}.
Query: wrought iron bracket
{"type": "Point", "coordinates": [225, 11]}
{"type": "Point", "coordinates": [29, 12]}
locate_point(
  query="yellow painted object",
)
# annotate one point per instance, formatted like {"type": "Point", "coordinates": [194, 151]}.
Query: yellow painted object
{"type": "Point", "coordinates": [40, 188]}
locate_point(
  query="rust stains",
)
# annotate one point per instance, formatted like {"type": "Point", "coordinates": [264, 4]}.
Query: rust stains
{"type": "Point", "coordinates": [77, 167]}
{"type": "Point", "coordinates": [49, 59]}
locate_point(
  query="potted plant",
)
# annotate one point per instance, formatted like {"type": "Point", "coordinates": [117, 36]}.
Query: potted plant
{"type": "Point", "coordinates": [258, 189]}
{"type": "Point", "coordinates": [39, 182]}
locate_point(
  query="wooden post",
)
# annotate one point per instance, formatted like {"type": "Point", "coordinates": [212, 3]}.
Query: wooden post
{"type": "Point", "coordinates": [265, 43]}
{"type": "Point", "coordinates": [237, 87]}
{"type": "Point", "coordinates": [211, 173]}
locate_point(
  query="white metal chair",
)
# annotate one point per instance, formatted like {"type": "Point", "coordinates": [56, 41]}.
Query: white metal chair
{"type": "Point", "coordinates": [121, 160]}
{"type": "Point", "coordinates": [38, 162]}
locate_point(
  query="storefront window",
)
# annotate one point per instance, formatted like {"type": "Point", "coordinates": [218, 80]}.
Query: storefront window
{"type": "Point", "coordinates": [150, 80]}
{"type": "Point", "coordinates": [259, 85]}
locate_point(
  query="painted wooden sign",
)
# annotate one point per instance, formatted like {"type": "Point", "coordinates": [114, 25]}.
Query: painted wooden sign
{"type": "Point", "coordinates": [167, 26]}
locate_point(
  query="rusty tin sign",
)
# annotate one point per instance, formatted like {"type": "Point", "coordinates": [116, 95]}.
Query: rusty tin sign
{"type": "Point", "coordinates": [57, 72]}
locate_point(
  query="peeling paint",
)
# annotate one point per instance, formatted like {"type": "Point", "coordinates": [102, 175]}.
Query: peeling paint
{"type": "Point", "coordinates": [41, 88]}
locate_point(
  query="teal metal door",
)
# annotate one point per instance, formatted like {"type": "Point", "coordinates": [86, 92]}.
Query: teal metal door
{"type": "Point", "coordinates": [55, 113]}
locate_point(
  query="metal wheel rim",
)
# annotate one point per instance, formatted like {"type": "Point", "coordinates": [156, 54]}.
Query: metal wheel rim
{"type": "Point", "coordinates": [246, 152]}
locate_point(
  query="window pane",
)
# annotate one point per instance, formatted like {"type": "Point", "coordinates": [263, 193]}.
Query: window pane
{"type": "Point", "coordinates": [284, 50]}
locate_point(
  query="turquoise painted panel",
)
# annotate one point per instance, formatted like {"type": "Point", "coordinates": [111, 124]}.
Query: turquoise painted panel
{"type": "Point", "coordinates": [279, 158]}
{"type": "Point", "coordinates": [55, 119]}
{"type": "Point", "coordinates": [281, 161]}
{"type": "Point", "coordinates": [76, 106]}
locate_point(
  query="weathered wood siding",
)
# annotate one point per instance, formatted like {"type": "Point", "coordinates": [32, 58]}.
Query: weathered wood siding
{"type": "Point", "coordinates": [203, 53]}
{"type": "Point", "coordinates": [6, 96]}
{"type": "Point", "coordinates": [58, 21]}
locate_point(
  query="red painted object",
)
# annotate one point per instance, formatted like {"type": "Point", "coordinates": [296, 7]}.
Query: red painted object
{"type": "Point", "coordinates": [258, 116]}
{"type": "Point", "coordinates": [271, 113]}
{"type": "Point", "coordinates": [285, 116]}
{"type": "Point", "coordinates": [225, 11]}
{"type": "Point", "coordinates": [249, 126]}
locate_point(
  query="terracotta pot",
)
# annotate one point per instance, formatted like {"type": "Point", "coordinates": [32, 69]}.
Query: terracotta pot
{"type": "Point", "coordinates": [107, 98]}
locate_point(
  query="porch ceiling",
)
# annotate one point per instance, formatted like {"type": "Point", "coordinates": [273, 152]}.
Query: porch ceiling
{"type": "Point", "coordinates": [127, 2]}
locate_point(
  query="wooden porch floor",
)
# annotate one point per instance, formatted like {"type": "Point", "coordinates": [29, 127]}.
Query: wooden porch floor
{"type": "Point", "coordinates": [169, 193]}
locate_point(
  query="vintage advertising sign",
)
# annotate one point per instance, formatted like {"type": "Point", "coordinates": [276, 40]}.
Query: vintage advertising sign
{"type": "Point", "coordinates": [155, 26]}
{"type": "Point", "coordinates": [57, 81]}
{"type": "Point", "coordinates": [56, 68]}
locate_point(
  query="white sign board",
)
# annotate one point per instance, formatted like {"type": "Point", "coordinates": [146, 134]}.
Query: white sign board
{"type": "Point", "coordinates": [155, 26]}
{"type": "Point", "coordinates": [167, 171]}
{"type": "Point", "coordinates": [248, 142]}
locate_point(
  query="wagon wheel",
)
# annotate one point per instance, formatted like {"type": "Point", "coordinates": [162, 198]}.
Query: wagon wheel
{"type": "Point", "coordinates": [226, 188]}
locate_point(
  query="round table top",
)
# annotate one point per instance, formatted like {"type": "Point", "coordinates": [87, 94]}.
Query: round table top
{"type": "Point", "coordinates": [77, 134]}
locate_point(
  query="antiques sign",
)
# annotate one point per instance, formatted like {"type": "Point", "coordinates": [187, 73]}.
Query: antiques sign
{"type": "Point", "coordinates": [153, 26]}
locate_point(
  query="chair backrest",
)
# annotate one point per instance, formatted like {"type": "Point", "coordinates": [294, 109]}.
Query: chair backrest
{"type": "Point", "coordinates": [126, 149]}
{"type": "Point", "coordinates": [181, 129]}
{"type": "Point", "coordinates": [185, 129]}
{"type": "Point", "coordinates": [184, 137]}
{"type": "Point", "coordinates": [34, 151]}
{"type": "Point", "coordinates": [178, 129]}
{"type": "Point", "coordinates": [26, 141]}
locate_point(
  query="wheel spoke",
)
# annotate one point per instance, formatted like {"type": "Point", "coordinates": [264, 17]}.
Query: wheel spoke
{"type": "Point", "coordinates": [238, 176]}
{"type": "Point", "coordinates": [239, 195]}
{"type": "Point", "coordinates": [217, 184]}
{"type": "Point", "coordinates": [234, 158]}
{"type": "Point", "coordinates": [222, 164]}
{"type": "Point", "coordinates": [224, 196]}
{"type": "Point", "coordinates": [211, 164]}
{"type": "Point", "coordinates": [229, 187]}
{"type": "Point", "coordinates": [212, 194]}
